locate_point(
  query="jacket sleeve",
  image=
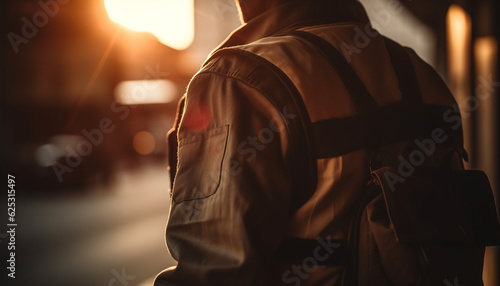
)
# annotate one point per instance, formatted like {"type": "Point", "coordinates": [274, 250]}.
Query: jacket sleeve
{"type": "Point", "coordinates": [231, 195]}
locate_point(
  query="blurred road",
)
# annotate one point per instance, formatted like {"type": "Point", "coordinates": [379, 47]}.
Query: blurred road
{"type": "Point", "coordinates": [113, 236]}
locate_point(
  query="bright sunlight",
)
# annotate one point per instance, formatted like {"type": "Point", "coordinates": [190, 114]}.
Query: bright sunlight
{"type": "Point", "coordinates": [171, 21]}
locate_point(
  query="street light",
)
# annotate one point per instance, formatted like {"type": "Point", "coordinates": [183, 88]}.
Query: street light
{"type": "Point", "coordinates": [171, 21]}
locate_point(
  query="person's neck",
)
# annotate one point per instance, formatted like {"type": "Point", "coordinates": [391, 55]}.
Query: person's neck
{"type": "Point", "coordinates": [250, 9]}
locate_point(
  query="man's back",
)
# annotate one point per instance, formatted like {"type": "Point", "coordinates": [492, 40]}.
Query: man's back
{"type": "Point", "coordinates": [234, 195]}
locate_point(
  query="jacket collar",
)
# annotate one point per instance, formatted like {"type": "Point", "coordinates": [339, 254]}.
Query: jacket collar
{"type": "Point", "coordinates": [291, 15]}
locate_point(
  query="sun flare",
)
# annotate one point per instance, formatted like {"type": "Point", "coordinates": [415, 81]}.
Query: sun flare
{"type": "Point", "coordinates": [171, 21]}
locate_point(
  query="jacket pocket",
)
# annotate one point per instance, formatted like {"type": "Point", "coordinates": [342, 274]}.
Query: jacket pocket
{"type": "Point", "coordinates": [200, 164]}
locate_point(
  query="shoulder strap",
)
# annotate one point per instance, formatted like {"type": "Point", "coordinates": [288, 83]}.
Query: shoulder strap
{"type": "Point", "coordinates": [407, 77]}
{"type": "Point", "coordinates": [412, 95]}
{"type": "Point", "coordinates": [363, 101]}
{"type": "Point", "coordinates": [401, 62]}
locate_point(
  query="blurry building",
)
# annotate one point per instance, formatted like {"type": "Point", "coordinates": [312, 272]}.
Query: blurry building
{"type": "Point", "coordinates": [71, 71]}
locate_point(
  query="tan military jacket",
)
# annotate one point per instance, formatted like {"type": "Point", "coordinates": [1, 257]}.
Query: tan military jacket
{"type": "Point", "coordinates": [234, 196]}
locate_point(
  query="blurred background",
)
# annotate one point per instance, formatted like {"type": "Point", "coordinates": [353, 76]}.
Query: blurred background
{"type": "Point", "coordinates": [89, 90]}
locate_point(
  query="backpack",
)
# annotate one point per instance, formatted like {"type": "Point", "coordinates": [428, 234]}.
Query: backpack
{"type": "Point", "coordinates": [422, 220]}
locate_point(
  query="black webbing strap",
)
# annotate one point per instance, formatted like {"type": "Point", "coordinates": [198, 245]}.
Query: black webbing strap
{"type": "Point", "coordinates": [363, 101]}
{"type": "Point", "coordinates": [408, 84]}
{"type": "Point", "coordinates": [339, 136]}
